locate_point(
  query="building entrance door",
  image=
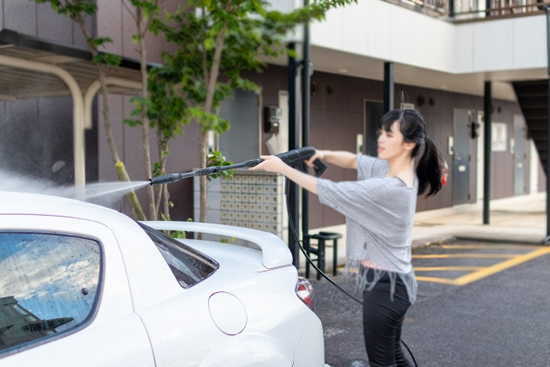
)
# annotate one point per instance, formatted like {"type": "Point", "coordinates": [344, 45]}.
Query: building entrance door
{"type": "Point", "coordinates": [461, 157]}
{"type": "Point", "coordinates": [518, 150]}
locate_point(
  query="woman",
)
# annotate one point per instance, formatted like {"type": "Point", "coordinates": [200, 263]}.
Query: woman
{"type": "Point", "coordinates": [379, 208]}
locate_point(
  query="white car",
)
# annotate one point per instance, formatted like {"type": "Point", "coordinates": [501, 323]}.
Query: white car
{"type": "Point", "coordinates": [83, 285]}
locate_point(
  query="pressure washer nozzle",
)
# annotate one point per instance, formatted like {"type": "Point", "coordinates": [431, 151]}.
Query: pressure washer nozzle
{"type": "Point", "coordinates": [163, 179]}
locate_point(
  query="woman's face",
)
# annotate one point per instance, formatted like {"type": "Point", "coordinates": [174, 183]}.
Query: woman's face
{"type": "Point", "coordinates": [391, 144]}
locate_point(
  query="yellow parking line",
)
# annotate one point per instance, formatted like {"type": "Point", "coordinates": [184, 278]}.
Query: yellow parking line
{"type": "Point", "coordinates": [450, 268]}
{"type": "Point", "coordinates": [489, 246]}
{"type": "Point", "coordinates": [467, 255]}
{"type": "Point", "coordinates": [436, 280]}
{"type": "Point", "coordinates": [482, 272]}
{"type": "Point", "coordinates": [469, 278]}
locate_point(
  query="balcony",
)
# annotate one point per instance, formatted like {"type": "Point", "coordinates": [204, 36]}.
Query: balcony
{"type": "Point", "coordinates": [471, 10]}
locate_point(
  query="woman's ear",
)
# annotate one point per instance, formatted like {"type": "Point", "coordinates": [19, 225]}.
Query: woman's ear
{"type": "Point", "coordinates": [410, 146]}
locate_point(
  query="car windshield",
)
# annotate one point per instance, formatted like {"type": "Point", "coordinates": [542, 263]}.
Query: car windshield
{"type": "Point", "coordinates": [188, 265]}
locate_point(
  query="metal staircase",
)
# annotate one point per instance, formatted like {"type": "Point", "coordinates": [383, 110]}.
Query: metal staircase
{"type": "Point", "coordinates": [533, 100]}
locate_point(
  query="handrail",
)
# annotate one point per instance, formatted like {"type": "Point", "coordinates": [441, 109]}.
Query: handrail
{"type": "Point", "coordinates": [499, 8]}
{"type": "Point", "coordinates": [507, 10]}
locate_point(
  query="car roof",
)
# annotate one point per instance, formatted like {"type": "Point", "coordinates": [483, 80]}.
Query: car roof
{"type": "Point", "coordinates": [39, 204]}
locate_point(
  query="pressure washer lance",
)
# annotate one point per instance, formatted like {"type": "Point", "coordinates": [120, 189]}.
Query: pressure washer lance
{"type": "Point", "coordinates": [293, 157]}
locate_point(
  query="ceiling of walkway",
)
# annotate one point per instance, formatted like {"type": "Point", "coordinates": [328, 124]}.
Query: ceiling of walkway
{"type": "Point", "coordinates": [337, 62]}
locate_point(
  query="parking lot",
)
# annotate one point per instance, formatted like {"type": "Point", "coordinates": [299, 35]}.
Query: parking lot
{"type": "Point", "coordinates": [465, 262]}
{"type": "Point", "coordinates": [479, 304]}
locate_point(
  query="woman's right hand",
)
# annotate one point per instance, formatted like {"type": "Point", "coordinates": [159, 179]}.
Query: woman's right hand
{"type": "Point", "coordinates": [319, 154]}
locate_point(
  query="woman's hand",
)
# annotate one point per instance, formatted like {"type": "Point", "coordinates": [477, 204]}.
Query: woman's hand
{"type": "Point", "coordinates": [319, 154]}
{"type": "Point", "coordinates": [271, 163]}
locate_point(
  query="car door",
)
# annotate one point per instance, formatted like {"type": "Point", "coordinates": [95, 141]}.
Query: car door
{"type": "Point", "coordinates": [64, 296]}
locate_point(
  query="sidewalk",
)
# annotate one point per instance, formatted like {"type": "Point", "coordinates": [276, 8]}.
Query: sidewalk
{"type": "Point", "coordinates": [520, 219]}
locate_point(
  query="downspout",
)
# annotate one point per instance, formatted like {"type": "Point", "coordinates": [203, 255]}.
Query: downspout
{"type": "Point", "coordinates": [78, 108]}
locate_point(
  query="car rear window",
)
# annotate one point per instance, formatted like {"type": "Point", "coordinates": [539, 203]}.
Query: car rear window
{"type": "Point", "coordinates": [188, 265]}
{"type": "Point", "coordinates": [48, 285]}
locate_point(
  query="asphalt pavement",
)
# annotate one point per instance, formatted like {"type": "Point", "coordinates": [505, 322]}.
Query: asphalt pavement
{"type": "Point", "coordinates": [496, 320]}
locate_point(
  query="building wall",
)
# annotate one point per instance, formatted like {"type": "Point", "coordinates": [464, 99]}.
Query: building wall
{"type": "Point", "coordinates": [337, 117]}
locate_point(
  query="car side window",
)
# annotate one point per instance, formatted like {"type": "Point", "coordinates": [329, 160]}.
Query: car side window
{"type": "Point", "coordinates": [188, 265]}
{"type": "Point", "coordinates": [48, 285]}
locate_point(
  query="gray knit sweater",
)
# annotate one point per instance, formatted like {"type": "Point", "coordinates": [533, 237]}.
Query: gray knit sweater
{"type": "Point", "coordinates": [379, 213]}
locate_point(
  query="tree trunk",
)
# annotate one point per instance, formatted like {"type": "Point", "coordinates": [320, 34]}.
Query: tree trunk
{"type": "Point", "coordinates": [145, 128]}
{"type": "Point", "coordinates": [119, 166]}
{"type": "Point", "coordinates": [203, 146]}
{"type": "Point", "coordinates": [131, 196]}
{"type": "Point", "coordinates": [162, 198]}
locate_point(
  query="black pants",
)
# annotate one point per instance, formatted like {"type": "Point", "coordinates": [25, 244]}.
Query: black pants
{"type": "Point", "coordinates": [382, 322]}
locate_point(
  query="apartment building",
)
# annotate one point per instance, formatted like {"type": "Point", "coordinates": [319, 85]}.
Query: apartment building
{"type": "Point", "coordinates": [441, 64]}
{"type": "Point", "coordinates": [434, 56]}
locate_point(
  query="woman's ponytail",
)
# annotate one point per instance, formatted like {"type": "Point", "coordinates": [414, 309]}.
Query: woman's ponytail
{"type": "Point", "coordinates": [429, 170]}
{"type": "Point", "coordinates": [413, 128]}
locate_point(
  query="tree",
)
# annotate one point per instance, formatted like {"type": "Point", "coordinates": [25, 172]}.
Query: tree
{"type": "Point", "coordinates": [217, 40]}
{"type": "Point", "coordinates": [143, 12]}
{"type": "Point", "coordinates": [78, 10]}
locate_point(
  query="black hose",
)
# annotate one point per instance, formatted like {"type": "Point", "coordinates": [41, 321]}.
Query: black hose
{"type": "Point", "coordinates": [308, 259]}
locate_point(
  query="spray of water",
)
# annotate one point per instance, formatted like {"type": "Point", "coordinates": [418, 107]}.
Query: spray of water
{"type": "Point", "coordinates": [102, 193]}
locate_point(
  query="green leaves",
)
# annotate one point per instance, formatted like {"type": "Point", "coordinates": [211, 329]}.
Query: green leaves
{"type": "Point", "coordinates": [148, 7]}
{"type": "Point", "coordinates": [71, 8]}
{"type": "Point", "coordinates": [217, 39]}
{"type": "Point", "coordinates": [99, 41]}
{"type": "Point", "coordinates": [216, 159]}
{"type": "Point", "coordinates": [109, 59]}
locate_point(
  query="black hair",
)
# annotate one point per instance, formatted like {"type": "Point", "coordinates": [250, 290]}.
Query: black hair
{"type": "Point", "coordinates": [411, 124]}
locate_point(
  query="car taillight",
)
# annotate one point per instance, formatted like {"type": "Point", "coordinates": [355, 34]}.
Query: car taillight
{"type": "Point", "coordinates": [304, 291]}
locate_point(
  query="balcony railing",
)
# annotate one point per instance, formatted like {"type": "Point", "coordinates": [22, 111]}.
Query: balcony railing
{"type": "Point", "coordinates": [500, 8]}
{"type": "Point", "coordinates": [474, 9]}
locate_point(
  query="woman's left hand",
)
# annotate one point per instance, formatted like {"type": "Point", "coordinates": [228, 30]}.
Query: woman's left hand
{"type": "Point", "coordinates": [271, 163]}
